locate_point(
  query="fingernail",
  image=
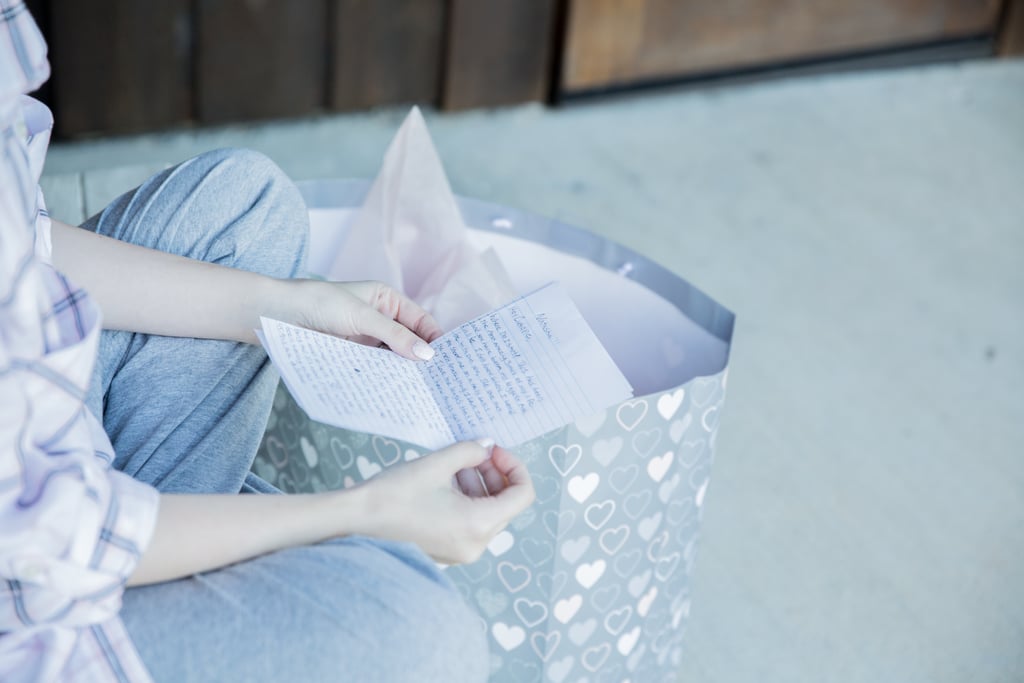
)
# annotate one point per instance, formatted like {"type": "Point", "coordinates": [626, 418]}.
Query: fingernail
{"type": "Point", "coordinates": [486, 443]}
{"type": "Point", "coordinates": [423, 350]}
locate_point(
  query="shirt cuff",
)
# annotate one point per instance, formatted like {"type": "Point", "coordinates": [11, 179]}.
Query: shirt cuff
{"type": "Point", "coordinates": [129, 526]}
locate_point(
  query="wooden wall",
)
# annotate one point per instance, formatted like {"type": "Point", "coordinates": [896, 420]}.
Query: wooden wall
{"type": "Point", "coordinates": [385, 52]}
{"type": "Point", "coordinates": [122, 66]}
{"type": "Point", "coordinates": [1011, 34]}
{"type": "Point", "coordinates": [614, 42]}
{"type": "Point", "coordinates": [499, 52]}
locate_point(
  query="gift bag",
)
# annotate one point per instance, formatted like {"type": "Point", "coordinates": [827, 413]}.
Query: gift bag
{"type": "Point", "coordinates": [591, 583]}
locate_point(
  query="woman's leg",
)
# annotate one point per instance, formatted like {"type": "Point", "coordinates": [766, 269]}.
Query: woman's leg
{"type": "Point", "coordinates": [186, 415]}
{"type": "Point", "coordinates": [355, 609]}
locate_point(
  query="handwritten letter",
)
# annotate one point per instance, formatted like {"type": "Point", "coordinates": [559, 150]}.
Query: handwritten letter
{"type": "Point", "coordinates": [513, 374]}
{"type": "Point", "coordinates": [355, 386]}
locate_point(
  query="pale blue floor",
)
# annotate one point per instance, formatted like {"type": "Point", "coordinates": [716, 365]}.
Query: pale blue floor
{"type": "Point", "coordinates": [866, 517]}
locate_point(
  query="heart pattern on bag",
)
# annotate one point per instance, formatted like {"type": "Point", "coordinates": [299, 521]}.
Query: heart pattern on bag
{"type": "Point", "coordinates": [591, 582]}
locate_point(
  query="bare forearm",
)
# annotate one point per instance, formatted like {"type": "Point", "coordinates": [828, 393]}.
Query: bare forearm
{"type": "Point", "coordinates": [196, 533]}
{"type": "Point", "coordinates": [143, 290]}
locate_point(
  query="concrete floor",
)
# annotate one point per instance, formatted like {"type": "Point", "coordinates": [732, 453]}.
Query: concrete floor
{"type": "Point", "coordinates": [866, 516]}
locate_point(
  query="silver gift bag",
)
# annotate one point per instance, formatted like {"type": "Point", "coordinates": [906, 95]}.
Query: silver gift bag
{"type": "Point", "coordinates": [591, 583]}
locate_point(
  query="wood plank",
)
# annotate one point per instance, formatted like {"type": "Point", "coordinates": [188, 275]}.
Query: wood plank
{"type": "Point", "coordinates": [615, 42]}
{"type": "Point", "coordinates": [385, 52]}
{"type": "Point", "coordinates": [119, 66]}
{"type": "Point", "coordinates": [964, 18]}
{"type": "Point", "coordinates": [499, 52]}
{"type": "Point", "coordinates": [259, 59]}
{"type": "Point", "coordinates": [40, 10]}
{"type": "Point", "coordinates": [1011, 33]}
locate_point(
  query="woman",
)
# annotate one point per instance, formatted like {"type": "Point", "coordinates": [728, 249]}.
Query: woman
{"type": "Point", "coordinates": [220, 586]}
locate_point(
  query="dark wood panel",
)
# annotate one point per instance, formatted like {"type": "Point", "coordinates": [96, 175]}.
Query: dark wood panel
{"type": "Point", "coordinates": [119, 65]}
{"type": "Point", "coordinates": [615, 42]}
{"type": "Point", "coordinates": [260, 58]}
{"type": "Point", "coordinates": [1011, 34]}
{"type": "Point", "coordinates": [40, 10]}
{"type": "Point", "coordinates": [499, 52]}
{"type": "Point", "coordinates": [385, 52]}
{"type": "Point", "coordinates": [964, 18]}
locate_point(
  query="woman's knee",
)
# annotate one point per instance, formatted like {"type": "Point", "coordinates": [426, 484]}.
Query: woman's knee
{"type": "Point", "coordinates": [230, 206]}
{"type": "Point", "coordinates": [263, 216]}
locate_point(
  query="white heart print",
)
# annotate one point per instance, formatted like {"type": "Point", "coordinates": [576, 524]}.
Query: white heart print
{"type": "Point", "coordinates": [588, 573]}
{"type": "Point", "coordinates": [501, 543]}
{"type": "Point", "coordinates": [668, 404]}
{"type": "Point", "coordinates": [580, 487]}
{"type": "Point", "coordinates": [366, 468]}
{"type": "Point", "coordinates": [567, 608]}
{"type": "Point", "coordinates": [308, 452]}
{"type": "Point", "coordinates": [509, 637]}
{"type": "Point", "coordinates": [658, 466]}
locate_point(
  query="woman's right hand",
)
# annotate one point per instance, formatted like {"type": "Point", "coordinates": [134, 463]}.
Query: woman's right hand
{"type": "Point", "coordinates": [450, 503]}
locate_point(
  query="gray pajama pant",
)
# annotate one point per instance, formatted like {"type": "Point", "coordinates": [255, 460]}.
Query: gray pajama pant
{"type": "Point", "coordinates": [187, 415]}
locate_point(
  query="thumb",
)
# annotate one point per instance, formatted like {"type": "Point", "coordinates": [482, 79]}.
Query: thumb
{"type": "Point", "coordinates": [398, 337]}
{"type": "Point", "coordinates": [464, 454]}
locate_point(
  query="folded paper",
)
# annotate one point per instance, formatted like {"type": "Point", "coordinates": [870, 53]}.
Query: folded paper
{"type": "Point", "coordinates": [511, 374]}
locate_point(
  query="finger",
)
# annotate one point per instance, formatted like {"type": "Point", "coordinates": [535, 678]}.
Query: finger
{"type": "Point", "coordinates": [366, 340]}
{"type": "Point", "coordinates": [519, 494]}
{"type": "Point", "coordinates": [511, 467]}
{"type": "Point", "coordinates": [397, 306]}
{"type": "Point", "coordinates": [494, 480]}
{"type": "Point", "coordinates": [512, 500]}
{"type": "Point", "coordinates": [470, 483]}
{"type": "Point", "coordinates": [459, 456]}
{"type": "Point", "coordinates": [410, 314]}
{"type": "Point", "coordinates": [400, 338]}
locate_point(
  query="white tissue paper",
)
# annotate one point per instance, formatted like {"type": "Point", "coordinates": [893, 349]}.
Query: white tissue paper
{"type": "Point", "coordinates": [409, 234]}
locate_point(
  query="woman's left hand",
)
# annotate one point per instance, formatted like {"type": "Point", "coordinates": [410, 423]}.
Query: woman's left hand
{"type": "Point", "coordinates": [366, 312]}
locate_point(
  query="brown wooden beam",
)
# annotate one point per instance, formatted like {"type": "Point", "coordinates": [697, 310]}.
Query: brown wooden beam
{"type": "Point", "coordinates": [1011, 33]}
{"type": "Point", "coordinates": [260, 59]}
{"type": "Point", "coordinates": [614, 43]}
{"type": "Point", "coordinates": [119, 65]}
{"type": "Point", "coordinates": [499, 52]}
{"type": "Point", "coordinates": [385, 52]}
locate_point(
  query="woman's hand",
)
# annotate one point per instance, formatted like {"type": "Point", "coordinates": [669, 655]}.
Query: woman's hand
{"type": "Point", "coordinates": [451, 502]}
{"type": "Point", "coordinates": [415, 501]}
{"type": "Point", "coordinates": [367, 312]}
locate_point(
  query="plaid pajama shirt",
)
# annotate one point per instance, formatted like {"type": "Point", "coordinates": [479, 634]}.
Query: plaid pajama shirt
{"type": "Point", "coordinates": [71, 528]}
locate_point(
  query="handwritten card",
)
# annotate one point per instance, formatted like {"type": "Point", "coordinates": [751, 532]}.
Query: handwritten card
{"type": "Point", "coordinates": [515, 373]}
